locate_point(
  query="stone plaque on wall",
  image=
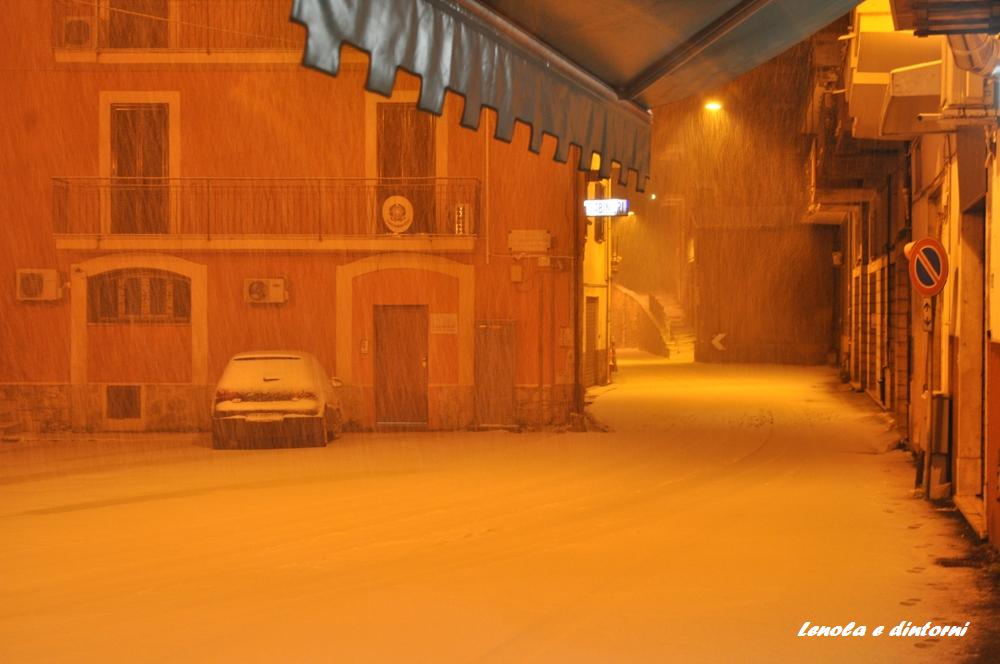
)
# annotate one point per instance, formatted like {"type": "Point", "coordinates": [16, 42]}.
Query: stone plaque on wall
{"type": "Point", "coordinates": [444, 323]}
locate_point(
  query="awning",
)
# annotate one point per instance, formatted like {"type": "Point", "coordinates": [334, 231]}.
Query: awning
{"type": "Point", "coordinates": [451, 48]}
{"type": "Point", "coordinates": [584, 71]}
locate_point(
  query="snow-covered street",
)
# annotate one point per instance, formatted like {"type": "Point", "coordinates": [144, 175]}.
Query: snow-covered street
{"type": "Point", "coordinates": [728, 506]}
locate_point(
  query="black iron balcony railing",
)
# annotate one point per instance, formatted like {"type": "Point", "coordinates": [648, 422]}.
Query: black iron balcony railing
{"type": "Point", "coordinates": [315, 207]}
{"type": "Point", "coordinates": [174, 25]}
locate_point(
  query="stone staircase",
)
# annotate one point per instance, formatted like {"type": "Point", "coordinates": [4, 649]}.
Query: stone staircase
{"type": "Point", "coordinates": [677, 331]}
{"type": "Point", "coordinates": [10, 424]}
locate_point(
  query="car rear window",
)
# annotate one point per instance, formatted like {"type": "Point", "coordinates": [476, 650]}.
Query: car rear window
{"type": "Point", "coordinates": [268, 374]}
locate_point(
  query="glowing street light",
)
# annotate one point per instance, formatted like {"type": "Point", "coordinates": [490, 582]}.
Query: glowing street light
{"type": "Point", "coordinates": [713, 106]}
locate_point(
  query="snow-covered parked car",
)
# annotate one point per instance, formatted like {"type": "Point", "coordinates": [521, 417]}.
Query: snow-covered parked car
{"type": "Point", "coordinates": [275, 399]}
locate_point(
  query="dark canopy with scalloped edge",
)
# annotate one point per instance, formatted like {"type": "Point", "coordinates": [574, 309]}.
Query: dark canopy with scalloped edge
{"type": "Point", "coordinates": [584, 71]}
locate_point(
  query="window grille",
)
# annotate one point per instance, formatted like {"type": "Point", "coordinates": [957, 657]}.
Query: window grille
{"type": "Point", "coordinates": [139, 296]}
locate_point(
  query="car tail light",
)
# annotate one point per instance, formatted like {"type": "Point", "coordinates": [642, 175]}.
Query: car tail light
{"type": "Point", "coordinates": [226, 395]}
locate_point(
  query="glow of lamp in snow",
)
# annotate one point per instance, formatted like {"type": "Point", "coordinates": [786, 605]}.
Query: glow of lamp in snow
{"type": "Point", "coordinates": [713, 106]}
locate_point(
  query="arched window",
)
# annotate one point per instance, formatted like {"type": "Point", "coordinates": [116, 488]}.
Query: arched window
{"type": "Point", "coordinates": [138, 296]}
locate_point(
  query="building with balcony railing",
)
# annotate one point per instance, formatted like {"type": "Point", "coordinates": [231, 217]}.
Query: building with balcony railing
{"type": "Point", "coordinates": [174, 31]}
{"type": "Point", "coordinates": [179, 189]}
{"type": "Point", "coordinates": [322, 214]}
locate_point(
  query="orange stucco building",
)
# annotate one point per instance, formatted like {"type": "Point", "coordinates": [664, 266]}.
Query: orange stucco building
{"type": "Point", "coordinates": [177, 189]}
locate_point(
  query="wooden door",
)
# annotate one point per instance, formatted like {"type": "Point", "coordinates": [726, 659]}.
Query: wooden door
{"type": "Point", "coordinates": [590, 342]}
{"type": "Point", "coordinates": [856, 334]}
{"type": "Point", "coordinates": [495, 367]}
{"type": "Point", "coordinates": [968, 369]}
{"type": "Point", "coordinates": [137, 24]}
{"type": "Point", "coordinates": [139, 167]}
{"type": "Point", "coordinates": [871, 338]}
{"type": "Point", "coordinates": [406, 162]}
{"type": "Point", "coordinates": [401, 365]}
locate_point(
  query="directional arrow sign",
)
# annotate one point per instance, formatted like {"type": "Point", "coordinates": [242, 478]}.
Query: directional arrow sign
{"type": "Point", "coordinates": [717, 341]}
{"type": "Point", "coordinates": [928, 266]}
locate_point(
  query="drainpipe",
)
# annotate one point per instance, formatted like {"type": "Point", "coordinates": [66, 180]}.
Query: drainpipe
{"type": "Point", "coordinates": [977, 53]}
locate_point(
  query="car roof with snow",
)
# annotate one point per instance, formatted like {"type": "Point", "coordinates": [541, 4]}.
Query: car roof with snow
{"type": "Point", "coordinates": [270, 371]}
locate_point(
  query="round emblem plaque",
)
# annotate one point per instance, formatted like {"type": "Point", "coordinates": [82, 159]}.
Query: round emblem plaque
{"type": "Point", "coordinates": [397, 214]}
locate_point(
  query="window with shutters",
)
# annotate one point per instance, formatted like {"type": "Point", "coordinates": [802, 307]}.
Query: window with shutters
{"type": "Point", "coordinates": [138, 296]}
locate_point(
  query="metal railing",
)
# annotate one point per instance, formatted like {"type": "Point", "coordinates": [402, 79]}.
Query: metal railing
{"type": "Point", "coordinates": [175, 25]}
{"type": "Point", "coordinates": [317, 207]}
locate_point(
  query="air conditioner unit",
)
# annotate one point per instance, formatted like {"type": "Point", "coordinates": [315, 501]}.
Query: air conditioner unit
{"type": "Point", "coordinates": [264, 291]}
{"type": "Point", "coordinates": [38, 285]}
{"type": "Point", "coordinates": [78, 32]}
{"type": "Point", "coordinates": [961, 88]}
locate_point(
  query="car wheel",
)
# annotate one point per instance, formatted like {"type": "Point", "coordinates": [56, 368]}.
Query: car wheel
{"type": "Point", "coordinates": [317, 435]}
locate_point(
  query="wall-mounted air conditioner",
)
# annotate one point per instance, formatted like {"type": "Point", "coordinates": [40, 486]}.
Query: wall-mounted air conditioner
{"type": "Point", "coordinates": [264, 291]}
{"type": "Point", "coordinates": [38, 285]}
{"type": "Point", "coordinates": [961, 88]}
{"type": "Point", "coordinates": [78, 32]}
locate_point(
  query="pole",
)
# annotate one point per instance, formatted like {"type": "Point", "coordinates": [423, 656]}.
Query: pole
{"type": "Point", "coordinates": [577, 297]}
{"type": "Point", "coordinates": [930, 391]}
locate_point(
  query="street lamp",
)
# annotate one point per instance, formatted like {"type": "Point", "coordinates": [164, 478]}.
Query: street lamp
{"type": "Point", "coordinates": [713, 106]}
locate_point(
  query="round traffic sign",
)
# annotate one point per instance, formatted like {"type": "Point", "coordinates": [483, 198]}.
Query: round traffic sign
{"type": "Point", "coordinates": [928, 266]}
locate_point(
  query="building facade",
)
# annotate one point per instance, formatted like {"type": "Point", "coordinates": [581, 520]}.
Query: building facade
{"type": "Point", "coordinates": [179, 189]}
{"type": "Point", "coordinates": [931, 361]}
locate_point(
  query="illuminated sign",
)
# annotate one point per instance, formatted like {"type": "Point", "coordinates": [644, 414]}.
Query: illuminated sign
{"type": "Point", "coordinates": [606, 207]}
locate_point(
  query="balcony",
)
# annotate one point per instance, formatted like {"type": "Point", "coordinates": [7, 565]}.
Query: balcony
{"type": "Point", "coordinates": [283, 214]}
{"type": "Point", "coordinates": [175, 31]}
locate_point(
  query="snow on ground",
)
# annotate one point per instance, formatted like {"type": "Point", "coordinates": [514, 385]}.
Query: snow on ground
{"type": "Point", "coordinates": [729, 506]}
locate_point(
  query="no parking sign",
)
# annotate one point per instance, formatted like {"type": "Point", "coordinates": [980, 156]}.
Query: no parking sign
{"type": "Point", "coordinates": [928, 266]}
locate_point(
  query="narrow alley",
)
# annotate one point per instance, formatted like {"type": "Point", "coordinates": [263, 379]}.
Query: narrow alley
{"type": "Point", "coordinates": [728, 506]}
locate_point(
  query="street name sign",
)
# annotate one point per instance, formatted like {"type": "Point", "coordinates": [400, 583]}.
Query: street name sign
{"type": "Point", "coordinates": [528, 240]}
{"type": "Point", "coordinates": [605, 207]}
